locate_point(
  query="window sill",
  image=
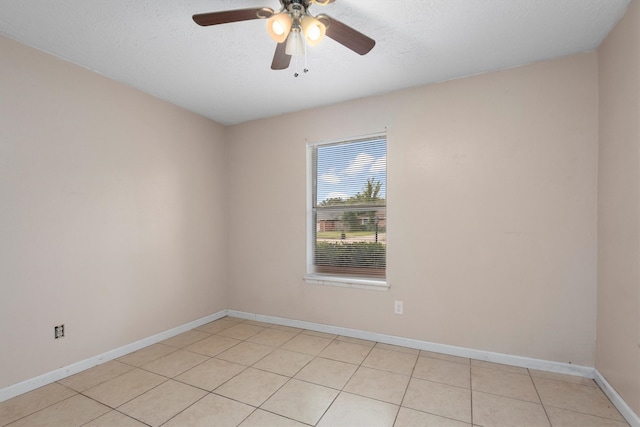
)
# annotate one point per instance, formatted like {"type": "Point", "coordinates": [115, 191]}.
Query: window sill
{"type": "Point", "coordinates": [346, 282]}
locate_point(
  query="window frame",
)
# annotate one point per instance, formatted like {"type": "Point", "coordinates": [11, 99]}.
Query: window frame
{"type": "Point", "coordinates": [312, 276]}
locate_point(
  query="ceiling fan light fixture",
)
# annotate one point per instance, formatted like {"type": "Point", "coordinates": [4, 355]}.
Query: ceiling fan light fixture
{"type": "Point", "coordinates": [313, 30]}
{"type": "Point", "coordinates": [279, 26]}
{"type": "Point", "coordinates": [295, 45]}
{"type": "Point", "coordinates": [293, 27]}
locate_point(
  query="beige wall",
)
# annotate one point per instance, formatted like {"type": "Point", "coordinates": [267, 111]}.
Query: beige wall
{"type": "Point", "coordinates": [112, 214]}
{"type": "Point", "coordinates": [119, 220]}
{"type": "Point", "coordinates": [618, 331]}
{"type": "Point", "coordinates": [492, 212]}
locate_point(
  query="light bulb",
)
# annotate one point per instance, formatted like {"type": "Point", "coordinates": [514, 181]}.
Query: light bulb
{"type": "Point", "coordinates": [278, 26]}
{"type": "Point", "coordinates": [313, 30]}
{"type": "Point", "coordinates": [314, 33]}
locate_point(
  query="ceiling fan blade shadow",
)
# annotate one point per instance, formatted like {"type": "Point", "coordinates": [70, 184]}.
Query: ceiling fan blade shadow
{"type": "Point", "coordinates": [281, 60]}
{"type": "Point", "coordinates": [347, 36]}
{"type": "Point", "coordinates": [226, 16]}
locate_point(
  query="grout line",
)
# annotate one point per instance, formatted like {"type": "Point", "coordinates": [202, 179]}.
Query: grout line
{"type": "Point", "coordinates": [198, 400]}
{"type": "Point", "coordinates": [471, 391]}
{"type": "Point", "coordinates": [341, 390]}
{"type": "Point", "coordinates": [48, 406]}
{"type": "Point", "coordinates": [535, 387]}
{"type": "Point", "coordinates": [404, 395]}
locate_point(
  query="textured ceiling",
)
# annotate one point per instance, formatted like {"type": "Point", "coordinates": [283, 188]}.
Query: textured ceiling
{"type": "Point", "coordinates": [223, 72]}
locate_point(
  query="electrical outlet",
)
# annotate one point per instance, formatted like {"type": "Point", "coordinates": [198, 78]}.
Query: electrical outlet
{"type": "Point", "coordinates": [398, 307]}
{"type": "Point", "coordinates": [58, 331]}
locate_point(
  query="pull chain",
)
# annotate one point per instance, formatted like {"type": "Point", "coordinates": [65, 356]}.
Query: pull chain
{"type": "Point", "coordinates": [305, 70]}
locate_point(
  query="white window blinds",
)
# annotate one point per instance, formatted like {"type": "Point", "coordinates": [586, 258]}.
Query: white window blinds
{"type": "Point", "coordinates": [349, 207]}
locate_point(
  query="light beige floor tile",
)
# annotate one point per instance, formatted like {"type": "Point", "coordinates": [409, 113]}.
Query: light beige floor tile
{"type": "Point", "coordinates": [146, 355]}
{"type": "Point", "coordinates": [497, 411]}
{"type": "Point", "coordinates": [257, 323]}
{"type": "Point", "coordinates": [308, 344]}
{"type": "Point", "coordinates": [212, 346]}
{"type": "Point", "coordinates": [262, 418]}
{"type": "Point", "coordinates": [74, 411]}
{"type": "Point", "coordinates": [504, 383]}
{"type": "Point", "coordinates": [501, 393]}
{"type": "Point", "coordinates": [301, 401]}
{"type": "Point", "coordinates": [398, 348]}
{"type": "Point", "coordinates": [563, 377]}
{"type": "Point", "coordinates": [272, 337]}
{"type": "Point", "coordinates": [287, 328]}
{"type": "Point", "coordinates": [345, 352]}
{"type": "Point", "coordinates": [319, 334]}
{"type": "Point", "coordinates": [186, 338]}
{"type": "Point", "coordinates": [499, 366]}
{"type": "Point", "coordinates": [212, 410]}
{"type": "Point", "coordinates": [391, 361]}
{"type": "Point", "coordinates": [162, 403]}
{"type": "Point", "coordinates": [241, 331]}
{"type": "Point", "coordinates": [329, 373]}
{"type": "Point", "coordinates": [283, 362]}
{"type": "Point", "coordinates": [217, 325]}
{"type": "Point", "coordinates": [28, 403]}
{"type": "Point", "coordinates": [447, 357]}
{"type": "Point", "coordinates": [353, 411]}
{"type": "Point", "coordinates": [245, 353]}
{"type": "Point", "coordinates": [381, 385]}
{"type": "Point", "coordinates": [411, 418]}
{"type": "Point", "coordinates": [564, 418]}
{"type": "Point", "coordinates": [575, 397]}
{"type": "Point", "coordinates": [252, 386]}
{"type": "Point", "coordinates": [439, 399]}
{"type": "Point", "coordinates": [96, 375]}
{"type": "Point", "coordinates": [234, 319]}
{"type": "Point", "coordinates": [367, 343]}
{"type": "Point", "coordinates": [115, 419]}
{"type": "Point", "coordinates": [443, 371]}
{"type": "Point", "coordinates": [175, 363]}
{"type": "Point", "coordinates": [211, 374]}
{"type": "Point", "coordinates": [127, 386]}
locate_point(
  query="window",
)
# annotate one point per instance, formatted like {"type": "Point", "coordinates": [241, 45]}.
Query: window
{"type": "Point", "coordinates": [348, 212]}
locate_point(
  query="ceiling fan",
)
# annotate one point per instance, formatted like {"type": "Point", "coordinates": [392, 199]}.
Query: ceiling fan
{"type": "Point", "coordinates": [292, 26]}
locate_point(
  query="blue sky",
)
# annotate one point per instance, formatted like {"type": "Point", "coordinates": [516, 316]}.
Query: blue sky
{"type": "Point", "coordinates": [344, 169]}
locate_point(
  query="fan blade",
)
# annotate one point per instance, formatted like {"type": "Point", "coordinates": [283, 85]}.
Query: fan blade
{"type": "Point", "coordinates": [226, 16]}
{"type": "Point", "coordinates": [281, 60]}
{"type": "Point", "coordinates": [347, 36]}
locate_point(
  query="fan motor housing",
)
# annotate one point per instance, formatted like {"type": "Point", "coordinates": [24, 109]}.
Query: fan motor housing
{"type": "Point", "coordinates": [296, 7]}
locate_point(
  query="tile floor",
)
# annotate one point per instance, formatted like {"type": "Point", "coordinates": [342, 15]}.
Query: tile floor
{"type": "Point", "coordinates": [233, 372]}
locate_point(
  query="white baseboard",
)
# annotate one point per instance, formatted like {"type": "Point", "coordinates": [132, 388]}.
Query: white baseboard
{"type": "Point", "coordinates": [616, 399]}
{"type": "Point", "coordinates": [507, 359]}
{"type": "Point", "coordinates": [66, 371]}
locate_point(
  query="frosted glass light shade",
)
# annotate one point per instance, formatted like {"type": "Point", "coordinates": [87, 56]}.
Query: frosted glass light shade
{"type": "Point", "coordinates": [278, 27]}
{"type": "Point", "coordinates": [313, 30]}
{"type": "Point", "coordinates": [295, 45]}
